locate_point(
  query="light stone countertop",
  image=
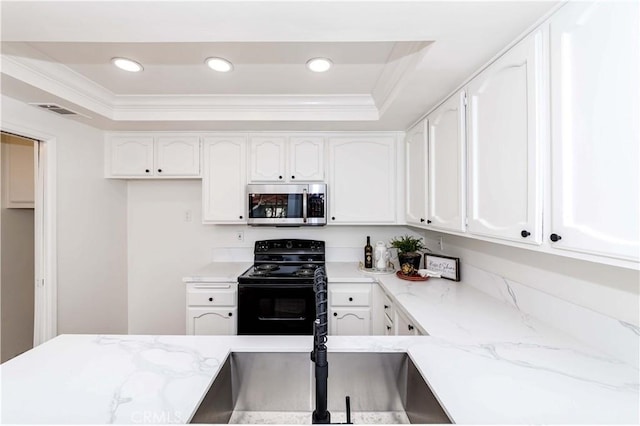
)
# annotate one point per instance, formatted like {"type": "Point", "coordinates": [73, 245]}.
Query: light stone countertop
{"type": "Point", "coordinates": [486, 362]}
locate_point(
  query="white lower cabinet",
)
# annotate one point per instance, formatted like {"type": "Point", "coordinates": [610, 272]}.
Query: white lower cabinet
{"type": "Point", "coordinates": [211, 321]}
{"type": "Point", "coordinates": [350, 309]}
{"type": "Point", "coordinates": [212, 308]}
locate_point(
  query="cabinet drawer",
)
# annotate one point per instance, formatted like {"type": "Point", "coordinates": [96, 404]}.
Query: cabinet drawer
{"type": "Point", "coordinates": [211, 297]}
{"type": "Point", "coordinates": [387, 306]}
{"type": "Point", "coordinates": [350, 296]}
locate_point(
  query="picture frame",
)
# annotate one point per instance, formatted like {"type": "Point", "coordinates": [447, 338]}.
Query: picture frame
{"type": "Point", "coordinates": [447, 266]}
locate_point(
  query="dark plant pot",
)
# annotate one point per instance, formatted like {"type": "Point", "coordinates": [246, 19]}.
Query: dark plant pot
{"type": "Point", "coordinates": [412, 258]}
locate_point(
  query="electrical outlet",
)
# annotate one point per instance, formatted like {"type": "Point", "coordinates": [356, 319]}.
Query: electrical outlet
{"type": "Point", "coordinates": [188, 215]}
{"type": "Point", "coordinates": [239, 236]}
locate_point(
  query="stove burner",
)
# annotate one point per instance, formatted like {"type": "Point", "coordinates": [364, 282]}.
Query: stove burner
{"type": "Point", "coordinates": [267, 267]}
{"type": "Point", "coordinates": [311, 266]}
{"type": "Point", "coordinates": [259, 273]}
{"type": "Point", "coordinates": [304, 272]}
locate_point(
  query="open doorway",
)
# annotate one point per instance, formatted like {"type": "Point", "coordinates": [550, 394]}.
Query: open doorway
{"type": "Point", "coordinates": [27, 240]}
{"type": "Point", "coordinates": [17, 244]}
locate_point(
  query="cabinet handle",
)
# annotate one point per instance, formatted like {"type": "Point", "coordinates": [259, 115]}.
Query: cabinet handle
{"type": "Point", "coordinates": [240, 216]}
{"type": "Point", "coordinates": [386, 306]}
{"type": "Point", "coordinates": [555, 237]}
{"type": "Point", "coordinates": [335, 314]}
{"type": "Point", "coordinates": [230, 314]}
{"type": "Point", "coordinates": [211, 299]}
{"type": "Point", "coordinates": [388, 327]}
{"type": "Point", "coordinates": [351, 299]}
{"type": "Point", "coordinates": [410, 327]}
{"type": "Point", "coordinates": [147, 170]}
{"type": "Point", "coordinates": [421, 219]}
{"type": "Point", "coordinates": [525, 233]}
{"type": "Point", "coordinates": [279, 177]}
{"type": "Point", "coordinates": [428, 221]}
{"type": "Point", "coordinates": [293, 177]}
{"type": "Point", "coordinates": [333, 218]}
{"type": "Point", "coordinates": [159, 170]}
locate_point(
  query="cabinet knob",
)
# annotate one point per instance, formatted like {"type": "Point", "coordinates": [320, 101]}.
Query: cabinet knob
{"type": "Point", "coordinates": [159, 170]}
{"type": "Point", "coordinates": [230, 314]}
{"type": "Point", "coordinates": [147, 170]}
{"type": "Point", "coordinates": [386, 306]}
{"type": "Point", "coordinates": [388, 327]}
{"type": "Point", "coordinates": [335, 314]}
{"type": "Point", "coordinates": [279, 177]}
{"type": "Point", "coordinates": [421, 219]}
{"type": "Point", "coordinates": [428, 221]}
{"type": "Point", "coordinates": [333, 218]}
{"type": "Point", "coordinates": [410, 327]}
{"type": "Point", "coordinates": [240, 216]}
{"type": "Point", "coordinates": [293, 177]}
{"type": "Point", "coordinates": [555, 237]}
{"type": "Point", "coordinates": [525, 233]}
{"type": "Point", "coordinates": [211, 299]}
{"type": "Point", "coordinates": [351, 299]}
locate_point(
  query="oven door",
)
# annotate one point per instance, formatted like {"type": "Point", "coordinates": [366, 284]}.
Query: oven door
{"type": "Point", "coordinates": [276, 309]}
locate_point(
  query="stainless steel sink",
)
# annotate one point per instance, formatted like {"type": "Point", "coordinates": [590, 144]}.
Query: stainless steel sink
{"type": "Point", "coordinates": [281, 386]}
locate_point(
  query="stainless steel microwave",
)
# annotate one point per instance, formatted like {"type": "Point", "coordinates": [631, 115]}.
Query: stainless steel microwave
{"type": "Point", "coordinates": [287, 204]}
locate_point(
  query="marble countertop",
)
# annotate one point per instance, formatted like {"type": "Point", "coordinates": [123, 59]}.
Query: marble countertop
{"type": "Point", "coordinates": [217, 272]}
{"type": "Point", "coordinates": [486, 362]}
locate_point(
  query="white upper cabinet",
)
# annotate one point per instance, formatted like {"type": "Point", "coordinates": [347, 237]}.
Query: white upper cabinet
{"type": "Point", "coordinates": [506, 114]}
{"type": "Point", "coordinates": [131, 155]}
{"type": "Point", "coordinates": [416, 183]}
{"type": "Point", "coordinates": [283, 158]}
{"type": "Point", "coordinates": [306, 158]}
{"type": "Point", "coordinates": [146, 155]}
{"type": "Point", "coordinates": [447, 165]}
{"type": "Point", "coordinates": [595, 81]}
{"type": "Point", "coordinates": [177, 156]}
{"type": "Point", "coordinates": [362, 179]}
{"type": "Point", "coordinates": [224, 179]}
{"type": "Point", "coordinates": [268, 158]}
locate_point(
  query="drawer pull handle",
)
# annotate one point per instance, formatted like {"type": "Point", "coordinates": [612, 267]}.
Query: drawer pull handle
{"type": "Point", "coordinates": [211, 299]}
{"type": "Point", "coordinates": [410, 327]}
{"type": "Point", "coordinates": [351, 299]}
{"type": "Point", "coordinates": [386, 306]}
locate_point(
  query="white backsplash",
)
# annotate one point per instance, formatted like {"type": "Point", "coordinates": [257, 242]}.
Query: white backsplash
{"type": "Point", "coordinates": [617, 338]}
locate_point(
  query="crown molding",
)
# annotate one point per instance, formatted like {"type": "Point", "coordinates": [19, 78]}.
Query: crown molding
{"type": "Point", "coordinates": [61, 81]}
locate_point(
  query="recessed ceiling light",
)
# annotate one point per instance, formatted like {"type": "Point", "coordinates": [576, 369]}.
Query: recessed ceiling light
{"type": "Point", "coordinates": [319, 64]}
{"type": "Point", "coordinates": [219, 64]}
{"type": "Point", "coordinates": [127, 64]}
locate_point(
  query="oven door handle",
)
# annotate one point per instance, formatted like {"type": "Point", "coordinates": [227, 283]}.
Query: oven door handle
{"type": "Point", "coordinates": [281, 319]}
{"type": "Point", "coordinates": [305, 199]}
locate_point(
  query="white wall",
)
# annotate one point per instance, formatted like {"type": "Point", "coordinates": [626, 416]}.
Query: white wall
{"type": "Point", "coordinates": [609, 290]}
{"type": "Point", "coordinates": [91, 223]}
{"type": "Point", "coordinates": [163, 248]}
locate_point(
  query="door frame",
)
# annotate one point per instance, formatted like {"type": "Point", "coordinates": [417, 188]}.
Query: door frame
{"type": "Point", "coordinates": [45, 256]}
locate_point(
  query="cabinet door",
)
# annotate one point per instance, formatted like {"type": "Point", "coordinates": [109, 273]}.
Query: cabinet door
{"type": "Point", "coordinates": [131, 155]}
{"type": "Point", "coordinates": [595, 128]}
{"type": "Point", "coordinates": [350, 321]}
{"type": "Point", "coordinates": [306, 158]}
{"type": "Point", "coordinates": [268, 158]}
{"type": "Point", "coordinates": [506, 128]}
{"type": "Point", "coordinates": [224, 179]}
{"type": "Point", "coordinates": [416, 184]}
{"type": "Point", "coordinates": [212, 321]}
{"type": "Point", "coordinates": [177, 156]}
{"type": "Point", "coordinates": [404, 327]}
{"type": "Point", "coordinates": [362, 180]}
{"type": "Point", "coordinates": [447, 165]}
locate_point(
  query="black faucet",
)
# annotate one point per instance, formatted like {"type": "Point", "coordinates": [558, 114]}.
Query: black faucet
{"type": "Point", "coordinates": [319, 354]}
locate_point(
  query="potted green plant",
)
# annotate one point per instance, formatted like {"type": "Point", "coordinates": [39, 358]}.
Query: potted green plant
{"type": "Point", "coordinates": [409, 250]}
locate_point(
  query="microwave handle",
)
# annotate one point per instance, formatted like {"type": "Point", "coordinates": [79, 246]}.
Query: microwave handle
{"type": "Point", "coordinates": [305, 197]}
